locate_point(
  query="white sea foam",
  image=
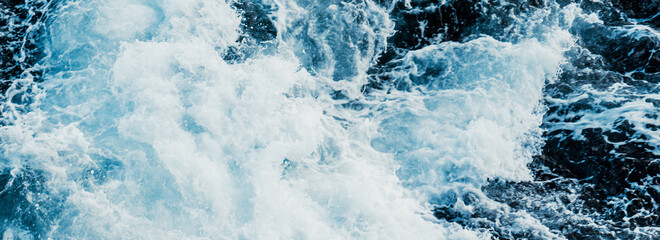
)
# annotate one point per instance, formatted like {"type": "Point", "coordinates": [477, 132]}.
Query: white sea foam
{"type": "Point", "coordinates": [469, 123]}
{"type": "Point", "coordinates": [148, 133]}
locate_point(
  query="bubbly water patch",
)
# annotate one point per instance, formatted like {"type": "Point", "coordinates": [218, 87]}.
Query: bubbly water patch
{"type": "Point", "coordinates": [463, 104]}
{"type": "Point", "coordinates": [337, 39]}
{"type": "Point", "coordinates": [124, 19]}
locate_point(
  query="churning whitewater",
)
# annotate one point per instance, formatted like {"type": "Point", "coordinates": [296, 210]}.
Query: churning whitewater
{"type": "Point", "coordinates": [329, 119]}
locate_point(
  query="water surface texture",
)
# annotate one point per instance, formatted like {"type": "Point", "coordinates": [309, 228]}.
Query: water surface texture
{"type": "Point", "coordinates": [329, 119]}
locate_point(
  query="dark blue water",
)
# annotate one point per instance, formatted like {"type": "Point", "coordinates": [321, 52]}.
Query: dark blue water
{"type": "Point", "coordinates": [303, 119]}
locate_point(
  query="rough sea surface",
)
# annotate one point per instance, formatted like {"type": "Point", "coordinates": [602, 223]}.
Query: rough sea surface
{"type": "Point", "coordinates": [329, 119]}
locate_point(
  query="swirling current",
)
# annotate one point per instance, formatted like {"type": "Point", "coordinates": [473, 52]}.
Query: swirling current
{"type": "Point", "coordinates": [329, 119]}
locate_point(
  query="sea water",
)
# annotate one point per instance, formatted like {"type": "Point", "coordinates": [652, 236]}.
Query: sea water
{"type": "Point", "coordinates": [211, 119]}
